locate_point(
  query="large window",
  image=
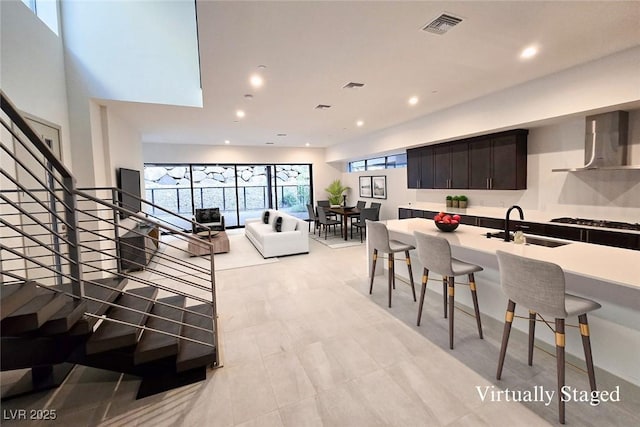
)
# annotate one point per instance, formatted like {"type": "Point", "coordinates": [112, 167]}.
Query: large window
{"type": "Point", "coordinates": [377, 163]}
{"type": "Point", "coordinates": [240, 191]}
{"type": "Point", "coordinates": [46, 10]}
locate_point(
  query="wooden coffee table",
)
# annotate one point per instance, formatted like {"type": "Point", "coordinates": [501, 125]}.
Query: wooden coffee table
{"type": "Point", "coordinates": [219, 239]}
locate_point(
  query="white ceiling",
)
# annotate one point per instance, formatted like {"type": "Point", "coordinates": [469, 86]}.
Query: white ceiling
{"type": "Point", "coordinates": [311, 49]}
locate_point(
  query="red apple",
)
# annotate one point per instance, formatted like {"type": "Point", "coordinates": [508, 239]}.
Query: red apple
{"type": "Point", "coordinates": [454, 221]}
{"type": "Point", "coordinates": [456, 217]}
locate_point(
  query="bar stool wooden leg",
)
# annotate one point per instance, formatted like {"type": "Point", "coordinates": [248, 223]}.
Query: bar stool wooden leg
{"type": "Point", "coordinates": [560, 362]}
{"type": "Point", "coordinates": [532, 334]}
{"type": "Point", "coordinates": [425, 278]}
{"type": "Point", "coordinates": [586, 344]}
{"type": "Point", "coordinates": [451, 306]}
{"type": "Point", "coordinates": [444, 294]}
{"type": "Point", "coordinates": [508, 320]}
{"type": "Point", "coordinates": [413, 288]}
{"type": "Point", "coordinates": [474, 296]}
{"type": "Point", "coordinates": [373, 269]}
{"type": "Point", "coordinates": [392, 282]}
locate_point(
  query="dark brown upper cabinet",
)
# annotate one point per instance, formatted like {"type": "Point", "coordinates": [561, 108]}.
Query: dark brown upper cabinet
{"type": "Point", "coordinates": [420, 167]}
{"type": "Point", "coordinates": [451, 165]}
{"type": "Point", "coordinates": [499, 161]}
{"type": "Point", "coordinates": [489, 162]}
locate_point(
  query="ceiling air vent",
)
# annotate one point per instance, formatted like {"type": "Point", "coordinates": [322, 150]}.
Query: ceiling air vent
{"type": "Point", "coordinates": [353, 85]}
{"type": "Point", "coordinates": [322, 107]}
{"type": "Point", "coordinates": [442, 24]}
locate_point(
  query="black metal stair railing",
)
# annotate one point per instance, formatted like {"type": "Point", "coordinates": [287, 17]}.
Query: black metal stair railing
{"type": "Point", "coordinates": [54, 234]}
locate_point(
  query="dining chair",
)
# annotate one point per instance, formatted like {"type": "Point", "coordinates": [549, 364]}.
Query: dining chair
{"type": "Point", "coordinates": [326, 205]}
{"type": "Point", "coordinates": [313, 217]}
{"type": "Point", "coordinates": [377, 206]}
{"type": "Point", "coordinates": [361, 223]}
{"type": "Point", "coordinates": [359, 205]}
{"type": "Point", "coordinates": [540, 287]}
{"type": "Point", "coordinates": [434, 253]}
{"type": "Point", "coordinates": [379, 241]}
{"type": "Point", "coordinates": [326, 222]}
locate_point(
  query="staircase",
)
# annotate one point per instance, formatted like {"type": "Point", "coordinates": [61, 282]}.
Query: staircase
{"type": "Point", "coordinates": [65, 299]}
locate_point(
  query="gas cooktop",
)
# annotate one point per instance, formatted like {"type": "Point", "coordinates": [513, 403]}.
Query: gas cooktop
{"type": "Point", "coordinates": [598, 223]}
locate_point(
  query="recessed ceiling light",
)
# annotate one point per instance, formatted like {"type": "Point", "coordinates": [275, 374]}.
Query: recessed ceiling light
{"type": "Point", "coordinates": [248, 96]}
{"type": "Point", "coordinates": [281, 134]}
{"type": "Point", "coordinates": [413, 100]}
{"type": "Point", "coordinates": [226, 141]}
{"type": "Point", "coordinates": [262, 66]}
{"type": "Point", "coordinates": [359, 123]}
{"type": "Point", "coordinates": [269, 143]}
{"type": "Point", "coordinates": [256, 80]}
{"type": "Point", "coordinates": [307, 144]}
{"type": "Point", "coordinates": [529, 52]}
{"type": "Point", "coordinates": [240, 114]}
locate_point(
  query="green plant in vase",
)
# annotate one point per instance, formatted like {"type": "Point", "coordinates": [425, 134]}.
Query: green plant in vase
{"type": "Point", "coordinates": [462, 201]}
{"type": "Point", "coordinates": [335, 191]}
{"type": "Point", "coordinates": [449, 201]}
{"type": "Point", "coordinates": [455, 201]}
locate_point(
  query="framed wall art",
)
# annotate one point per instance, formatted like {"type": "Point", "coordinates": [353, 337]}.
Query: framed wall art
{"type": "Point", "coordinates": [365, 186]}
{"type": "Point", "coordinates": [379, 187]}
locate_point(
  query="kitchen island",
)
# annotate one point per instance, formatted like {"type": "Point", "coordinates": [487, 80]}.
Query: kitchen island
{"type": "Point", "coordinates": [608, 275]}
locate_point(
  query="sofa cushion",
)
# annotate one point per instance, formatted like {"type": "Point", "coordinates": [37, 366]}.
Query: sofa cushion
{"type": "Point", "coordinates": [289, 223]}
{"type": "Point", "coordinates": [277, 224]}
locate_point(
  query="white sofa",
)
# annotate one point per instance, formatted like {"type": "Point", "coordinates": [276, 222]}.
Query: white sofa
{"type": "Point", "coordinates": [292, 239]}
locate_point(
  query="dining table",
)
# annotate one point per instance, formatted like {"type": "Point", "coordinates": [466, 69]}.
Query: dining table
{"type": "Point", "coordinates": [345, 212]}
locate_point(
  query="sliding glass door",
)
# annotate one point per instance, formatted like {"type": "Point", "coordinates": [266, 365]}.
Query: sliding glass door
{"type": "Point", "coordinates": [214, 186]}
{"type": "Point", "coordinates": [240, 191]}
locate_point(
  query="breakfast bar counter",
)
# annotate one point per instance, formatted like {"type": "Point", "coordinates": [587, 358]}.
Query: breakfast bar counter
{"type": "Point", "coordinates": [606, 274]}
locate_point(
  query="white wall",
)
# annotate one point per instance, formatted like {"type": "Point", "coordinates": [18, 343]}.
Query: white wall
{"type": "Point", "coordinates": [28, 47]}
{"type": "Point", "coordinates": [323, 173]}
{"type": "Point", "coordinates": [135, 51]}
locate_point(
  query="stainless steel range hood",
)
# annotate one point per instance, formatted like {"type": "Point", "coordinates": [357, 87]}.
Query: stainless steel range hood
{"type": "Point", "coordinates": [606, 140]}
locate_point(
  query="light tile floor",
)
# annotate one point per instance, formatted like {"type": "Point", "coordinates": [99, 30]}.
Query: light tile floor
{"type": "Point", "coordinates": [305, 345]}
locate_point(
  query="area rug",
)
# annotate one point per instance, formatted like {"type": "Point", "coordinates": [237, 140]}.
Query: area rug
{"type": "Point", "coordinates": [242, 253]}
{"type": "Point", "coordinates": [336, 242]}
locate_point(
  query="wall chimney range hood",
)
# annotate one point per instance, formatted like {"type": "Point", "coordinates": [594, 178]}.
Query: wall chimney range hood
{"type": "Point", "coordinates": [606, 140]}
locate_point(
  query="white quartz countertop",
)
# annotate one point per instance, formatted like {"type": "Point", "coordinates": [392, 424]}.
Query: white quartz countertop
{"type": "Point", "coordinates": [603, 263]}
{"type": "Point", "coordinates": [499, 213]}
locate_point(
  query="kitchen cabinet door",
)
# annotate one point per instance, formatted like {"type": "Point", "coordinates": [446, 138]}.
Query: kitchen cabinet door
{"type": "Point", "coordinates": [509, 163]}
{"type": "Point", "coordinates": [420, 167]}
{"type": "Point", "coordinates": [480, 164]}
{"type": "Point", "coordinates": [451, 165]}
{"type": "Point", "coordinates": [499, 162]}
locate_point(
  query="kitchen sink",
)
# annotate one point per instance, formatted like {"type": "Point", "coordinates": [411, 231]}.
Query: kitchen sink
{"type": "Point", "coordinates": [538, 241]}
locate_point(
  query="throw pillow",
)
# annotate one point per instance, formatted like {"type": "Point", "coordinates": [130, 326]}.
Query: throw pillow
{"type": "Point", "coordinates": [265, 217]}
{"type": "Point", "coordinates": [277, 224]}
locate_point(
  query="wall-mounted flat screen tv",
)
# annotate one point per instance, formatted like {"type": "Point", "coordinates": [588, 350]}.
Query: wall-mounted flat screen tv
{"type": "Point", "coordinates": [129, 182]}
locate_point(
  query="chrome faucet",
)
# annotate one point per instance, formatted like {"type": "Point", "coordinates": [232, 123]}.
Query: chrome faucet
{"type": "Point", "coordinates": [506, 220]}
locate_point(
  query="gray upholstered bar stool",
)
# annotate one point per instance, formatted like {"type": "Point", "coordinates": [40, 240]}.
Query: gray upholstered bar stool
{"type": "Point", "coordinates": [434, 253]}
{"type": "Point", "coordinates": [378, 236]}
{"type": "Point", "coordinates": [540, 287]}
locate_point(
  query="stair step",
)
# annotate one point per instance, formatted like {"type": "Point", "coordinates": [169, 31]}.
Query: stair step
{"type": "Point", "coordinates": [112, 335]}
{"type": "Point", "coordinates": [153, 345]}
{"type": "Point", "coordinates": [109, 294]}
{"type": "Point", "coordinates": [193, 355]}
{"type": "Point", "coordinates": [65, 318]}
{"type": "Point", "coordinates": [12, 297]}
{"type": "Point", "coordinates": [34, 313]}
